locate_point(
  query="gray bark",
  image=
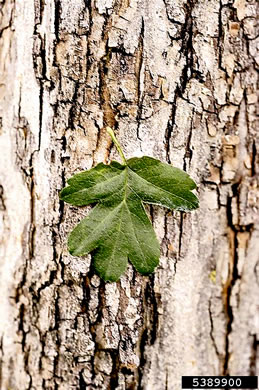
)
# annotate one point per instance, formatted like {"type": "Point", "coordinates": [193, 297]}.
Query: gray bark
{"type": "Point", "coordinates": [177, 81]}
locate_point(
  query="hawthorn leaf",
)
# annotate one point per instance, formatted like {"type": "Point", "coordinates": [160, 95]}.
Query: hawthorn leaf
{"type": "Point", "coordinates": [118, 228]}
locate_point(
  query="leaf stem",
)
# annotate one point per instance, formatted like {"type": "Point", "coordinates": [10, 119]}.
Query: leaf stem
{"type": "Point", "coordinates": [116, 142]}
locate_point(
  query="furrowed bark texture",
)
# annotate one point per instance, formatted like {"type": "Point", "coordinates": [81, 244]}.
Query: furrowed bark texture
{"type": "Point", "coordinates": [176, 79]}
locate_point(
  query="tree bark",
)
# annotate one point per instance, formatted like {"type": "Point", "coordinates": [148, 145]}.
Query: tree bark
{"type": "Point", "coordinates": [176, 79]}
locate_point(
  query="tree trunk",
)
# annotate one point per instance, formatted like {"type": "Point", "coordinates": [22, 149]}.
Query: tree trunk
{"type": "Point", "coordinates": [176, 79]}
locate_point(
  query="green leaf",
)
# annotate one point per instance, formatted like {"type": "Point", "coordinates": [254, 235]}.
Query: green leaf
{"type": "Point", "coordinates": [118, 228]}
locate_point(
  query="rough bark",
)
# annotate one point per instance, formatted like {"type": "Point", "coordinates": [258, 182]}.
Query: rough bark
{"type": "Point", "coordinates": [177, 80]}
